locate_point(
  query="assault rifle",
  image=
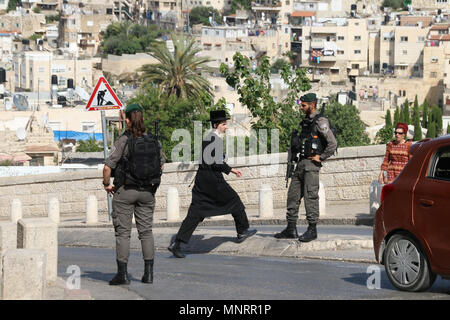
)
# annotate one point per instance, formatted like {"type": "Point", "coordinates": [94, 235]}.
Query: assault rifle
{"type": "Point", "coordinates": [292, 155]}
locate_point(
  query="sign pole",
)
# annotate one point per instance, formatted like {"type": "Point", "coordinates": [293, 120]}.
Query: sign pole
{"type": "Point", "coordinates": [105, 152]}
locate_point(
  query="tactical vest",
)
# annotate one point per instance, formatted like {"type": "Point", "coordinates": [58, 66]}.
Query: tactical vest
{"type": "Point", "coordinates": [310, 141]}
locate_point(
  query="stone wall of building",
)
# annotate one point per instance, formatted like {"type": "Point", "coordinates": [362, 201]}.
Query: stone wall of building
{"type": "Point", "coordinates": [345, 176]}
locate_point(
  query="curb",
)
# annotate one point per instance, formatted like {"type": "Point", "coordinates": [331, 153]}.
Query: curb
{"type": "Point", "coordinates": [226, 223]}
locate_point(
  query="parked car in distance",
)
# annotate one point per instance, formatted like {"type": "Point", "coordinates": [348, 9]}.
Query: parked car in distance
{"type": "Point", "coordinates": [411, 233]}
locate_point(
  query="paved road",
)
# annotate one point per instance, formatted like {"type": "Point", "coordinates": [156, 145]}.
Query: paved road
{"type": "Point", "coordinates": [217, 277]}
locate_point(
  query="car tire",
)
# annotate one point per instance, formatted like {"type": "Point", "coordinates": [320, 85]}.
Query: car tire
{"type": "Point", "coordinates": [406, 265]}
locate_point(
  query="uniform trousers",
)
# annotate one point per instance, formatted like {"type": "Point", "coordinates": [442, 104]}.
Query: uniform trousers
{"type": "Point", "coordinates": [304, 184]}
{"type": "Point", "coordinates": [127, 202]}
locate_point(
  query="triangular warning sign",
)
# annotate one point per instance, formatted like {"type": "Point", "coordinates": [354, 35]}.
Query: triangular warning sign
{"type": "Point", "coordinates": [103, 97]}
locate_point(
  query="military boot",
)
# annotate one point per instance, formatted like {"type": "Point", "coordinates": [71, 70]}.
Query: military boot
{"type": "Point", "coordinates": [121, 276]}
{"type": "Point", "coordinates": [310, 234]}
{"type": "Point", "coordinates": [176, 249]}
{"type": "Point", "coordinates": [148, 272]}
{"type": "Point", "coordinates": [289, 233]}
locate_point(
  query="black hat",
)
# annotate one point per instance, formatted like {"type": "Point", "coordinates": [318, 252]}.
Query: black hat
{"type": "Point", "coordinates": [218, 115]}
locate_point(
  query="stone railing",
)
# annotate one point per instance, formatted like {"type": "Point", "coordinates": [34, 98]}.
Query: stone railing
{"type": "Point", "coordinates": [345, 176]}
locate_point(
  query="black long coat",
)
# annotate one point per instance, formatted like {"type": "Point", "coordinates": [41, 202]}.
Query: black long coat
{"type": "Point", "coordinates": [211, 194]}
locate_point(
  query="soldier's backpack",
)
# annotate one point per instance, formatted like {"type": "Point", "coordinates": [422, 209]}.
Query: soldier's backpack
{"type": "Point", "coordinates": [143, 168]}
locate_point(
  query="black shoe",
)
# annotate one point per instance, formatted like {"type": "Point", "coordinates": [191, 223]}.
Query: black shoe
{"type": "Point", "coordinates": [309, 235]}
{"type": "Point", "coordinates": [246, 234]}
{"type": "Point", "coordinates": [121, 276]}
{"type": "Point", "coordinates": [289, 233]}
{"type": "Point", "coordinates": [148, 272]}
{"type": "Point", "coordinates": [175, 249]}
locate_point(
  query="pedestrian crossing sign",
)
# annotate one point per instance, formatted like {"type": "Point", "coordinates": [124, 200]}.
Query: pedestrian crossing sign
{"type": "Point", "coordinates": [103, 97]}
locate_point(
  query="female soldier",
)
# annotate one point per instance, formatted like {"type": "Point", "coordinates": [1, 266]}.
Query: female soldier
{"type": "Point", "coordinates": [133, 196]}
{"type": "Point", "coordinates": [212, 195]}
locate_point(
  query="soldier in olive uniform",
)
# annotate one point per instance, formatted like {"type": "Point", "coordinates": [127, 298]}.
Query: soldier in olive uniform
{"type": "Point", "coordinates": [316, 143]}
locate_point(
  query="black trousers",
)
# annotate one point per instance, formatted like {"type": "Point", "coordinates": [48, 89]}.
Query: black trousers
{"type": "Point", "coordinates": [192, 220]}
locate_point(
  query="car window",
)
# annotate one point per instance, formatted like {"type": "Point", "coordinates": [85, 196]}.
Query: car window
{"type": "Point", "coordinates": [442, 164]}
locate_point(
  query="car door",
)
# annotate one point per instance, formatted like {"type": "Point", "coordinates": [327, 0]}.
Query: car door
{"type": "Point", "coordinates": [431, 203]}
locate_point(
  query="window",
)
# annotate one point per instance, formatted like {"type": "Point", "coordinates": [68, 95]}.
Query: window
{"type": "Point", "coordinates": [88, 126]}
{"type": "Point", "coordinates": [434, 60]}
{"type": "Point", "coordinates": [357, 38]}
{"type": "Point", "coordinates": [357, 51]}
{"type": "Point", "coordinates": [41, 69]}
{"type": "Point", "coordinates": [440, 168]}
{"type": "Point", "coordinates": [341, 38]}
{"type": "Point", "coordinates": [340, 52]}
{"type": "Point", "coordinates": [420, 39]}
{"type": "Point", "coordinates": [355, 66]}
{"type": "Point", "coordinates": [433, 74]}
{"type": "Point", "coordinates": [403, 39]}
{"type": "Point", "coordinates": [405, 52]}
{"type": "Point", "coordinates": [388, 52]}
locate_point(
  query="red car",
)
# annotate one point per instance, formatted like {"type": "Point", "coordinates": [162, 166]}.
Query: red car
{"type": "Point", "coordinates": [411, 234]}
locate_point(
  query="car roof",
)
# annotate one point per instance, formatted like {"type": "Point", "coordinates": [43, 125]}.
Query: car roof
{"type": "Point", "coordinates": [429, 143]}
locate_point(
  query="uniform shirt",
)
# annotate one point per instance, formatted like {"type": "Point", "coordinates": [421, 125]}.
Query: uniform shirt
{"type": "Point", "coordinates": [323, 128]}
{"type": "Point", "coordinates": [119, 150]}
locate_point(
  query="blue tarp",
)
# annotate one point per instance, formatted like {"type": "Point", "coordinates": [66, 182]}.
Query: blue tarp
{"type": "Point", "coordinates": [60, 134]}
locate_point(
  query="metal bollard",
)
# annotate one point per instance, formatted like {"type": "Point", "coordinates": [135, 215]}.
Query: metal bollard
{"type": "Point", "coordinates": [91, 210]}
{"type": "Point", "coordinates": [16, 210]}
{"type": "Point", "coordinates": [265, 201]}
{"type": "Point", "coordinates": [173, 204]}
{"type": "Point", "coordinates": [53, 210]}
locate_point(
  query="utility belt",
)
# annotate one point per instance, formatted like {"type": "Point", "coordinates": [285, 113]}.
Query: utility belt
{"type": "Point", "coordinates": [149, 188]}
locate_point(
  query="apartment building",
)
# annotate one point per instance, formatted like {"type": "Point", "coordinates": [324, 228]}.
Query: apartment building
{"type": "Point", "coordinates": [6, 47]}
{"type": "Point", "coordinates": [335, 49]}
{"type": "Point", "coordinates": [80, 32]}
{"type": "Point", "coordinates": [167, 13]}
{"type": "Point", "coordinates": [3, 5]}
{"type": "Point", "coordinates": [33, 71]}
{"type": "Point", "coordinates": [335, 8]}
{"type": "Point", "coordinates": [222, 43]}
{"type": "Point", "coordinates": [20, 22]}
{"type": "Point", "coordinates": [436, 63]}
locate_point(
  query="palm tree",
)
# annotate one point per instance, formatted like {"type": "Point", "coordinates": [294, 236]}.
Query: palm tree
{"type": "Point", "coordinates": [178, 73]}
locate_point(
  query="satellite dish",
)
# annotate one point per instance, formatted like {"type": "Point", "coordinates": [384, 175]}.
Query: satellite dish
{"type": "Point", "coordinates": [21, 102]}
{"type": "Point", "coordinates": [21, 133]}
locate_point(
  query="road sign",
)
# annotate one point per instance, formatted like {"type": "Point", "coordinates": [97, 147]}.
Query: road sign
{"type": "Point", "coordinates": [103, 97]}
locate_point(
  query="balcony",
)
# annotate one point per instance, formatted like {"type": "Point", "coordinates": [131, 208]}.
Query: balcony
{"type": "Point", "coordinates": [317, 43]}
{"type": "Point", "coordinates": [330, 58]}
{"type": "Point", "coordinates": [273, 5]}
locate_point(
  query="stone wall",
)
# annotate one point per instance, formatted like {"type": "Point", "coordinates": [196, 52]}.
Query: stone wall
{"type": "Point", "coordinates": [345, 176]}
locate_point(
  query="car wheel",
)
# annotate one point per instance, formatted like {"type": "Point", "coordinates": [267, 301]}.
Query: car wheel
{"type": "Point", "coordinates": [406, 265]}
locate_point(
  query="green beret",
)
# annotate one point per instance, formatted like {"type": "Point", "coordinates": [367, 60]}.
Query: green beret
{"type": "Point", "coordinates": [133, 107]}
{"type": "Point", "coordinates": [309, 97]}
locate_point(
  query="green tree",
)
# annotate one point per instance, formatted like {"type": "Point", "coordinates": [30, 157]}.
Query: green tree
{"type": "Point", "coordinates": [126, 37]}
{"type": "Point", "coordinates": [417, 127]}
{"type": "Point", "coordinates": [240, 5]}
{"type": "Point", "coordinates": [384, 135]}
{"type": "Point", "coordinates": [277, 65]}
{"type": "Point", "coordinates": [431, 133]}
{"type": "Point", "coordinates": [350, 129]}
{"type": "Point", "coordinates": [12, 4]}
{"type": "Point", "coordinates": [448, 128]}
{"type": "Point", "coordinates": [436, 117]}
{"type": "Point", "coordinates": [178, 73]}
{"type": "Point", "coordinates": [396, 116]}
{"type": "Point", "coordinates": [173, 113]}
{"type": "Point", "coordinates": [406, 118]}
{"type": "Point", "coordinates": [201, 14]}
{"type": "Point", "coordinates": [254, 91]}
{"type": "Point", "coordinates": [388, 119]}
{"type": "Point", "coordinates": [394, 4]}
{"type": "Point", "coordinates": [425, 111]}
{"type": "Point", "coordinates": [90, 145]}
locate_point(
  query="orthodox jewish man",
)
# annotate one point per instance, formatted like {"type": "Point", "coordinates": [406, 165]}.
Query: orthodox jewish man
{"type": "Point", "coordinates": [211, 194]}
